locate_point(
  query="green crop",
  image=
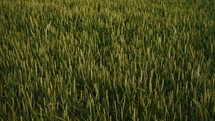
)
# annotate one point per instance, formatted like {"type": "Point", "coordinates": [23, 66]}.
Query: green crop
{"type": "Point", "coordinates": [107, 60]}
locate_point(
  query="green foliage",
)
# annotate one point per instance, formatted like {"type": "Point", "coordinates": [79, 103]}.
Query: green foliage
{"type": "Point", "coordinates": [107, 60]}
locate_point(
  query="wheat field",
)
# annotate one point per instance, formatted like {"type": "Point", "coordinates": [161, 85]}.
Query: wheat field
{"type": "Point", "coordinates": [109, 60]}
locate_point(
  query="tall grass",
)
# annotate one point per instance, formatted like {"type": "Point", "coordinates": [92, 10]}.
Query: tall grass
{"type": "Point", "coordinates": [107, 60]}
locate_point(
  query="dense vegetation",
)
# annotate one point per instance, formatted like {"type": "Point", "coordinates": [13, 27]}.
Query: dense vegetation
{"type": "Point", "coordinates": [107, 60]}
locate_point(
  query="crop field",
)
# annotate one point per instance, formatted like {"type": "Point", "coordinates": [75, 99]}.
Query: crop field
{"type": "Point", "coordinates": [107, 60]}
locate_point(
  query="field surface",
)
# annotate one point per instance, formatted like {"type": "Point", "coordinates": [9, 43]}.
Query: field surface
{"type": "Point", "coordinates": [107, 60]}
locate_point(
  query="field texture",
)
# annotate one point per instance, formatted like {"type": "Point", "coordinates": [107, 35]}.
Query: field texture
{"type": "Point", "coordinates": [107, 60]}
